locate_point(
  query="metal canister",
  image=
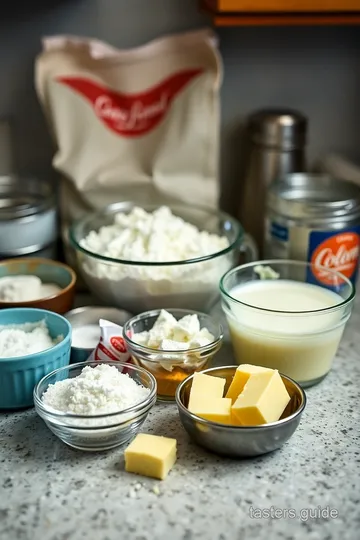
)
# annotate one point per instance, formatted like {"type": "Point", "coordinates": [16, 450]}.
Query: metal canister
{"type": "Point", "coordinates": [277, 147]}
{"type": "Point", "coordinates": [314, 218]}
{"type": "Point", "coordinates": [28, 217]}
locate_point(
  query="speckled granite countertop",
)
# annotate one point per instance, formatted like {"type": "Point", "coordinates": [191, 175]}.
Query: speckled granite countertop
{"type": "Point", "coordinates": [51, 492]}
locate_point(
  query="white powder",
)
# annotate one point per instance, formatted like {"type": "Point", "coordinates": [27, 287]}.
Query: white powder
{"type": "Point", "coordinates": [86, 337]}
{"type": "Point", "coordinates": [22, 339]}
{"type": "Point", "coordinates": [99, 390]}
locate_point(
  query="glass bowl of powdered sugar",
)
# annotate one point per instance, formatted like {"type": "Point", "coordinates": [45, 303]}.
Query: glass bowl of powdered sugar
{"type": "Point", "coordinates": [95, 406]}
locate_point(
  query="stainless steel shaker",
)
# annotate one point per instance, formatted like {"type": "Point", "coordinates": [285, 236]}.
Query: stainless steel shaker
{"type": "Point", "coordinates": [277, 147]}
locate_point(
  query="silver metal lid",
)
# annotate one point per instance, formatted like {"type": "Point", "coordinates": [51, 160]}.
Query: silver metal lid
{"type": "Point", "coordinates": [279, 128]}
{"type": "Point", "coordinates": [92, 314]}
{"type": "Point", "coordinates": [316, 196]}
{"type": "Point", "coordinates": [24, 196]}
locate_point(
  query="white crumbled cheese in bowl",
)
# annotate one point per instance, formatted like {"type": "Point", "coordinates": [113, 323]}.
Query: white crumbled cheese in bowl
{"type": "Point", "coordinates": [178, 342]}
{"type": "Point", "coordinates": [169, 334]}
{"type": "Point", "coordinates": [23, 339]}
{"type": "Point", "coordinates": [159, 236]}
{"type": "Point", "coordinates": [154, 237]}
{"type": "Point", "coordinates": [97, 390]}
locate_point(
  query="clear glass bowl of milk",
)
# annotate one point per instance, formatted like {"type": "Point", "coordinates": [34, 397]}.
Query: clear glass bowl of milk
{"type": "Point", "coordinates": [279, 319]}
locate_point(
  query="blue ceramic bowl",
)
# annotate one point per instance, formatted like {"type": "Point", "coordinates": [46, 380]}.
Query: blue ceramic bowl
{"type": "Point", "coordinates": [19, 375]}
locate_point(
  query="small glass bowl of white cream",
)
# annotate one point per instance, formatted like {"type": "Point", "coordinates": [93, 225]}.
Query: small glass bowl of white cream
{"type": "Point", "coordinates": [172, 344]}
{"type": "Point", "coordinates": [287, 315]}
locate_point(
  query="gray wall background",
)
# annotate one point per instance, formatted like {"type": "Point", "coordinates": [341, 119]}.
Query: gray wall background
{"type": "Point", "coordinates": [316, 70]}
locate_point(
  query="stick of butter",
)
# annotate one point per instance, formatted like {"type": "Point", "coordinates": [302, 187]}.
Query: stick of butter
{"type": "Point", "coordinates": [205, 386]}
{"type": "Point", "coordinates": [215, 410]}
{"type": "Point", "coordinates": [150, 455]}
{"type": "Point", "coordinates": [242, 374]}
{"type": "Point", "coordinates": [262, 401]}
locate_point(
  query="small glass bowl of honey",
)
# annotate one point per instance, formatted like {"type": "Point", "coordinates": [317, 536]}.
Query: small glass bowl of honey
{"type": "Point", "coordinates": [171, 367]}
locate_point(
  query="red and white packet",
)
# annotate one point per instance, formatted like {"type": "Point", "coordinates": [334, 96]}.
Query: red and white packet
{"type": "Point", "coordinates": [112, 346]}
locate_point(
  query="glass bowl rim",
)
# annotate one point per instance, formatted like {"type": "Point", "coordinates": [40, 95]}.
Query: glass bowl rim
{"type": "Point", "coordinates": [153, 313]}
{"type": "Point", "coordinates": [111, 210]}
{"type": "Point", "coordinates": [290, 262]}
{"type": "Point", "coordinates": [282, 421]}
{"type": "Point", "coordinates": [61, 414]}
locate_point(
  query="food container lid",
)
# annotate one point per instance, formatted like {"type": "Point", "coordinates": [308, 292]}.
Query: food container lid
{"type": "Point", "coordinates": [24, 196]}
{"type": "Point", "coordinates": [85, 315]}
{"type": "Point", "coordinates": [278, 128]}
{"type": "Point", "coordinates": [314, 196]}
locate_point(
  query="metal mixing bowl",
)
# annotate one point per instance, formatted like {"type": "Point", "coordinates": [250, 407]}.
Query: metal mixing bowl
{"type": "Point", "coordinates": [240, 441]}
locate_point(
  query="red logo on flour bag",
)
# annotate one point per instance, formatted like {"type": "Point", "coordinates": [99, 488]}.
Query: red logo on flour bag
{"type": "Point", "coordinates": [118, 343]}
{"type": "Point", "coordinates": [131, 115]}
{"type": "Point", "coordinates": [340, 253]}
{"type": "Point", "coordinates": [144, 121]}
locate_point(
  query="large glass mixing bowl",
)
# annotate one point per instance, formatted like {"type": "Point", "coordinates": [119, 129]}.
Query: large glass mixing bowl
{"type": "Point", "coordinates": [139, 286]}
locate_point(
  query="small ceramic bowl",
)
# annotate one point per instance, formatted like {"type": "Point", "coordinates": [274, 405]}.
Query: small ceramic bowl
{"type": "Point", "coordinates": [19, 375]}
{"type": "Point", "coordinates": [49, 272]}
{"type": "Point", "coordinates": [171, 367]}
{"type": "Point", "coordinates": [240, 441]}
{"type": "Point", "coordinates": [94, 433]}
{"type": "Point", "coordinates": [86, 330]}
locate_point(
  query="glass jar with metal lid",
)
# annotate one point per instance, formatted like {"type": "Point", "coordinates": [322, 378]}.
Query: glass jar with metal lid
{"type": "Point", "coordinates": [314, 218]}
{"type": "Point", "coordinates": [28, 218]}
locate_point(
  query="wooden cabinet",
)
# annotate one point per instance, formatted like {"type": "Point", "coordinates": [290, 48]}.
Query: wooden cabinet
{"type": "Point", "coordinates": [282, 12]}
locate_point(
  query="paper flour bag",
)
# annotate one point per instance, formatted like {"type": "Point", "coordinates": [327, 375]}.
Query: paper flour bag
{"type": "Point", "coordinates": [140, 124]}
{"type": "Point", "coordinates": [111, 346]}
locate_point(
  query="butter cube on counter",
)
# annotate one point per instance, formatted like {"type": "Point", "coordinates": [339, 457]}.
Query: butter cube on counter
{"type": "Point", "coordinates": [263, 400]}
{"type": "Point", "coordinates": [215, 410]}
{"type": "Point", "coordinates": [242, 375]}
{"type": "Point", "coordinates": [150, 455]}
{"type": "Point", "coordinates": [205, 386]}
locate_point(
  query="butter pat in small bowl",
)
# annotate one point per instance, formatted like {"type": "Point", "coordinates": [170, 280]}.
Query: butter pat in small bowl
{"type": "Point", "coordinates": [221, 437]}
{"type": "Point", "coordinates": [172, 344]}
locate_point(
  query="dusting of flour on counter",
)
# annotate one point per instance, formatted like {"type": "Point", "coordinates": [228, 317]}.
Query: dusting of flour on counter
{"type": "Point", "coordinates": [99, 390]}
{"type": "Point", "coordinates": [23, 339]}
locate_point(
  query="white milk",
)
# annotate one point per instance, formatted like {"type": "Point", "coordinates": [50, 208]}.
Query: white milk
{"type": "Point", "coordinates": [300, 345]}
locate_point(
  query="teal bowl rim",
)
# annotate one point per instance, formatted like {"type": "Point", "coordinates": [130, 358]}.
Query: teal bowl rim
{"type": "Point", "coordinates": [40, 354]}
